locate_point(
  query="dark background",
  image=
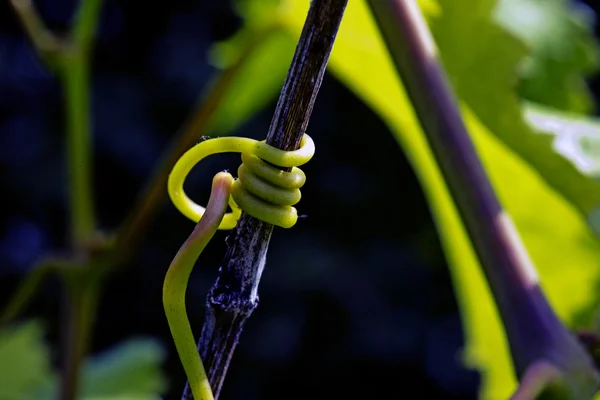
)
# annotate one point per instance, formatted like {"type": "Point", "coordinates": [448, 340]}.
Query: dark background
{"type": "Point", "coordinates": [349, 307]}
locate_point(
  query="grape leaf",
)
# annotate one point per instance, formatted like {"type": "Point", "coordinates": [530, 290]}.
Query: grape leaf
{"type": "Point", "coordinates": [562, 50]}
{"type": "Point", "coordinates": [24, 360]}
{"type": "Point", "coordinates": [543, 191]}
{"type": "Point", "coordinates": [259, 78]}
{"type": "Point", "coordinates": [475, 50]}
{"type": "Point", "coordinates": [468, 66]}
{"type": "Point", "coordinates": [129, 370]}
{"type": "Point", "coordinates": [481, 59]}
{"type": "Point", "coordinates": [575, 137]}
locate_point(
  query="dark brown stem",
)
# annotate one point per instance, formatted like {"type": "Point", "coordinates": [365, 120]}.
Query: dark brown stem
{"type": "Point", "coordinates": [234, 295]}
{"type": "Point", "coordinates": [534, 331]}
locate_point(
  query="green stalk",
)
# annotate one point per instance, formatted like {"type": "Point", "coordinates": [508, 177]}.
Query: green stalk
{"type": "Point", "coordinates": [82, 293]}
{"type": "Point", "coordinates": [75, 74]}
{"type": "Point", "coordinates": [75, 78]}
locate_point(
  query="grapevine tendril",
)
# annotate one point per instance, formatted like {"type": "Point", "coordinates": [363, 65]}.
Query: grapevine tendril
{"type": "Point", "coordinates": [262, 190]}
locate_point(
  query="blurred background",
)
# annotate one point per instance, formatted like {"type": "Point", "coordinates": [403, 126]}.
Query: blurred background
{"type": "Point", "coordinates": [312, 335]}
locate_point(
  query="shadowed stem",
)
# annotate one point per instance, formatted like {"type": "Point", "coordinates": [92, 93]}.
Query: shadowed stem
{"type": "Point", "coordinates": [534, 331]}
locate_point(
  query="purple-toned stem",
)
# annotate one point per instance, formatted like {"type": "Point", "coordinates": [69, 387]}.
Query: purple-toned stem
{"type": "Point", "coordinates": [533, 329]}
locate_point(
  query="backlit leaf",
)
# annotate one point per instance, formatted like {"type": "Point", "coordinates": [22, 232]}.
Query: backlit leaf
{"type": "Point", "coordinates": [547, 196]}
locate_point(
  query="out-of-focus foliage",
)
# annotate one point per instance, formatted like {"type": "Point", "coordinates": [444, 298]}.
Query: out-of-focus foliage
{"type": "Point", "coordinates": [130, 370]}
{"type": "Point", "coordinates": [544, 193]}
{"type": "Point", "coordinates": [576, 137]}
{"type": "Point", "coordinates": [562, 50]}
{"type": "Point", "coordinates": [24, 360]}
{"type": "Point", "coordinates": [259, 78]}
{"type": "Point", "coordinates": [482, 61]}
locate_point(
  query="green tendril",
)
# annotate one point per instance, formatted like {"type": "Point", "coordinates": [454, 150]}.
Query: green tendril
{"type": "Point", "coordinates": [262, 190]}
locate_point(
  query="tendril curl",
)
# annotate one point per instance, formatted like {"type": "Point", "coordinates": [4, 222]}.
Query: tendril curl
{"type": "Point", "coordinates": [262, 189]}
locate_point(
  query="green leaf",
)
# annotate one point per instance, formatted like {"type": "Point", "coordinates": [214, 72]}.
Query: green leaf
{"type": "Point", "coordinates": [543, 191]}
{"type": "Point", "coordinates": [259, 78]}
{"type": "Point", "coordinates": [24, 360]}
{"type": "Point", "coordinates": [257, 82]}
{"type": "Point", "coordinates": [481, 60]}
{"type": "Point", "coordinates": [560, 36]}
{"type": "Point", "coordinates": [130, 370]}
{"type": "Point", "coordinates": [575, 137]}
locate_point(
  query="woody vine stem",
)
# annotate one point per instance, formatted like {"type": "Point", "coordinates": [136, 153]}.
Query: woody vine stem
{"type": "Point", "coordinates": [234, 296]}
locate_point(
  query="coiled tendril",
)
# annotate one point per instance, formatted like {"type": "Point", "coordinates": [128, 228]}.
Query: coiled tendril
{"type": "Point", "coordinates": [262, 189]}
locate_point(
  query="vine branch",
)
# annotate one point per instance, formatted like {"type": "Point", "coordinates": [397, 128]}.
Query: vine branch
{"type": "Point", "coordinates": [70, 60]}
{"type": "Point", "coordinates": [48, 46]}
{"type": "Point", "coordinates": [234, 296]}
{"type": "Point", "coordinates": [534, 331]}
